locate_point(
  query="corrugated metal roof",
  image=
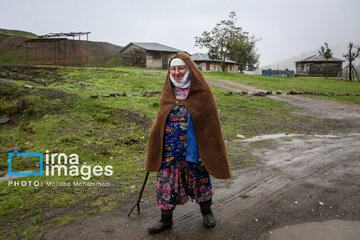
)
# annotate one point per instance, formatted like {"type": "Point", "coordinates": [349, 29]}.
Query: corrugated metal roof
{"type": "Point", "coordinates": [198, 57]}
{"type": "Point", "coordinates": [155, 47]}
{"type": "Point", "coordinates": [319, 58]}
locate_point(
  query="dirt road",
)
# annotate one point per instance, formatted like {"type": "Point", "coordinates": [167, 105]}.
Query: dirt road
{"type": "Point", "coordinates": [302, 179]}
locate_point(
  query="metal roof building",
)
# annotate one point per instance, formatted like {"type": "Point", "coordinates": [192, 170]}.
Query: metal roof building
{"type": "Point", "coordinates": [318, 66]}
{"type": "Point", "coordinates": [197, 57]}
{"type": "Point", "coordinates": [319, 58]}
{"type": "Point", "coordinates": [206, 64]}
{"type": "Point", "coordinates": [147, 54]}
{"type": "Point", "coordinates": [150, 46]}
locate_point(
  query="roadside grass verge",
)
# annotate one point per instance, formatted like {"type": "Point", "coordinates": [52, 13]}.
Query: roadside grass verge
{"type": "Point", "coordinates": [63, 117]}
{"type": "Point", "coordinates": [251, 116]}
{"type": "Point", "coordinates": [300, 84]}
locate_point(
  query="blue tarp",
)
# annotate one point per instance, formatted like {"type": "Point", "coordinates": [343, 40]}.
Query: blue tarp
{"type": "Point", "coordinates": [278, 73]}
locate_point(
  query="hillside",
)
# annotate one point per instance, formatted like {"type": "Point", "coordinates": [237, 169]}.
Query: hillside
{"type": "Point", "coordinates": [12, 49]}
{"type": "Point", "coordinates": [17, 33]}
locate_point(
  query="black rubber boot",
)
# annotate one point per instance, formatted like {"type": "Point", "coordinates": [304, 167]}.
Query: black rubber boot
{"type": "Point", "coordinates": [208, 216]}
{"type": "Point", "coordinates": [164, 223]}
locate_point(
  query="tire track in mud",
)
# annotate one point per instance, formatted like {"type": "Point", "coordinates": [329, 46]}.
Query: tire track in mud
{"type": "Point", "coordinates": [281, 177]}
{"type": "Point", "coordinates": [268, 180]}
{"type": "Point", "coordinates": [281, 174]}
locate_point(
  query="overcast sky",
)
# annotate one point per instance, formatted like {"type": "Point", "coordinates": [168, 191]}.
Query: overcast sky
{"type": "Point", "coordinates": [287, 28]}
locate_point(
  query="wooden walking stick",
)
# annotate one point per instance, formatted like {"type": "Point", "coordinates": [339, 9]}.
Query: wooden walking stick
{"type": "Point", "coordinates": [137, 204]}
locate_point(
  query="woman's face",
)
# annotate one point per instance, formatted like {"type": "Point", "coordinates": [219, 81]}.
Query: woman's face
{"type": "Point", "coordinates": [178, 72]}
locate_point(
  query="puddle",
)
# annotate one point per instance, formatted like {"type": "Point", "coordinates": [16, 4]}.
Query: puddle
{"type": "Point", "coordinates": [280, 135]}
{"type": "Point", "coordinates": [328, 230]}
{"type": "Point", "coordinates": [270, 136]}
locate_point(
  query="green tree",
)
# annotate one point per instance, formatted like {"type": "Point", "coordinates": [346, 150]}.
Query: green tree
{"type": "Point", "coordinates": [326, 52]}
{"type": "Point", "coordinates": [226, 40]}
{"type": "Point", "coordinates": [243, 51]}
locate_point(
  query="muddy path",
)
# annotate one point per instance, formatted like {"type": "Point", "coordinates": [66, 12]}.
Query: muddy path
{"type": "Point", "coordinates": [300, 179]}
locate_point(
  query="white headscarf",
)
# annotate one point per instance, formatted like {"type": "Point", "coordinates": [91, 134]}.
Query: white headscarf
{"type": "Point", "coordinates": [186, 81]}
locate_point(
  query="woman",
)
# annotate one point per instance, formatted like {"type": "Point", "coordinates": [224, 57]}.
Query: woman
{"type": "Point", "coordinates": [186, 143]}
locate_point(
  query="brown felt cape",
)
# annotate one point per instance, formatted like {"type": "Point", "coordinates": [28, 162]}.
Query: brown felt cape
{"type": "Point", "coordinates": [202, 106]}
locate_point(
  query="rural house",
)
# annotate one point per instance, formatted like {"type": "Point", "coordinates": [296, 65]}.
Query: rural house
{"type": "Point", "coordinates": [206, 64]}
{"type": "Point", "coordinates": [315, 66]}
{"type": "Point", "coordinates": [147, 55]}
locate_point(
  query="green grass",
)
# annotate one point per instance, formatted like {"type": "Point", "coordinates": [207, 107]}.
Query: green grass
{"type": "Point", "coordinates": [13, 57]}
{"type": "Point", "coordinates": [345, 99]}
{"type": "Point", "coordinates": [251, 116]}
{"type": "Point", "coordinates": [114, 62]}
{"type": "Point", "coordinates": [18, 33]}
{"type": "Point", "coordinates": [104, 131]}
{"type": "Point", "coordinates": [300, 84]}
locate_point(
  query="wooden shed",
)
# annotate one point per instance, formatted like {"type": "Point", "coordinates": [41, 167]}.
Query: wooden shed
{"type": "Point", "coordinates": [147, 55]}
{"type": "Point", "coordinates": [206, 64]}
{"type": "Point", "coordinates": [315, 66]}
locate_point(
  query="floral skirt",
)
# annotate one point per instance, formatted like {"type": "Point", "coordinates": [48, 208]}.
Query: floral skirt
{"type": "Point", "coordinates": [181, 180]}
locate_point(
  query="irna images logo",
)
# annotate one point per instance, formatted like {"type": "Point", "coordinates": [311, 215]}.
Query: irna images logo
{"type": "Point", "coordinates": [59, 164]}
{"type": "Point", "coordinates": [11, 155]}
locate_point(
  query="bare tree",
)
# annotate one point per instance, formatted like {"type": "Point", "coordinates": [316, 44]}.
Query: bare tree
{"type": "Point", "coordinates": [350, 57]}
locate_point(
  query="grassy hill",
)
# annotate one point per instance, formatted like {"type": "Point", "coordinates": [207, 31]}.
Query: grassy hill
{"type": "Point", "coordinates": [12, 49]}
{"type": "Point", "coordinates": [17, 33]}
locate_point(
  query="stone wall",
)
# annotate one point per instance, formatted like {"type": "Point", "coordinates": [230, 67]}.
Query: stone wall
{"type": "Point", "coordinates": [133, 56]}
{"type": "Point", "coordinates": [318, 69]}
{"type": "Point", "coordinates": [158, 60]}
